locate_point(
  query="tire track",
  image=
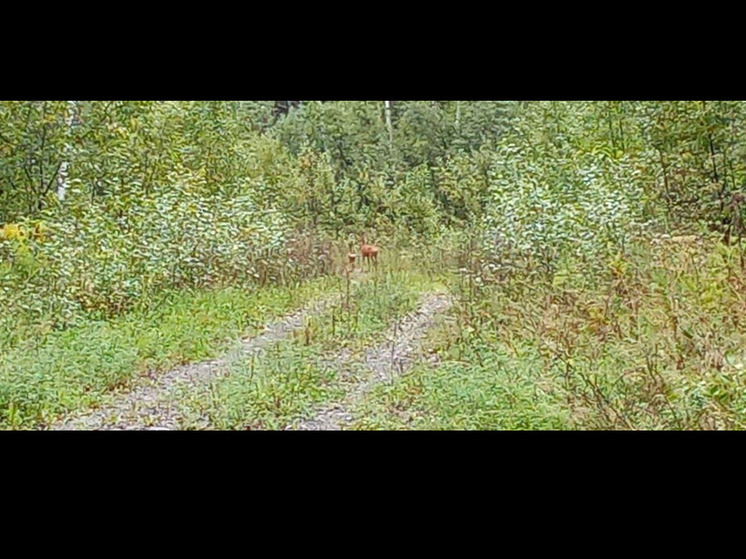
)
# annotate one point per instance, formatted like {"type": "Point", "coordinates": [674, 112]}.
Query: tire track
{"type": "Point", "coordinates": [150, 406]}
{"type": "Point", "coordinates": [387, 359]}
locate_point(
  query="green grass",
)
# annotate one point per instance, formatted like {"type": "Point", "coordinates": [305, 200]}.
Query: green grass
{"type": "Point", "coordinates": [75, 368]}
{"type": "Point", "coordinates": [653, 339]}
{"type": "Point", "coordinates": [477, 386]}
{"type": "Point", "coordinates": [292, 378]}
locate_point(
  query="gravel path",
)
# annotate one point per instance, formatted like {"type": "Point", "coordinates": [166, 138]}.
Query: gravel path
{"type": "Point", "coordinates": [392, 357]}
{"type": "Point", "coordinates": [150, 406]}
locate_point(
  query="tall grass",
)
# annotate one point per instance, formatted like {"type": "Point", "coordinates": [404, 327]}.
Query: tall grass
{"type": "Point", "coordinates": [650, 337]}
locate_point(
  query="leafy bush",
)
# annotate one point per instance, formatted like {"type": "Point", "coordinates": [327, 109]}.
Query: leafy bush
{"type": "Point", "coordinates": [123, 239]}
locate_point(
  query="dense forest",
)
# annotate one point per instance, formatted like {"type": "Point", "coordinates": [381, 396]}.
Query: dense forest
{"type": "Point", "coordinates": [584, 260]}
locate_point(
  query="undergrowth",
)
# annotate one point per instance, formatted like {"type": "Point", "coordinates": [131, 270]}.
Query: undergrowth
{"type": "Point", "coordinates": [649, 337]}
{"type": "Point", "coordinates": [74, 368]}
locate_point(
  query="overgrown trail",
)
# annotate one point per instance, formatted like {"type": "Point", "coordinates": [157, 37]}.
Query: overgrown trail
{"type": "Point", "coordinates": [150, 406]}
{"type": "Point", "coordinates": [383, 361]}
{"type": "Point", "coordinates": [175, 399]}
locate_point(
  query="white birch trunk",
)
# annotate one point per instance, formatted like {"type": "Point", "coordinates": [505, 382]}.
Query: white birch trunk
{"type": "Point", "coordinates": [62, 184]}
{"type": "Point", "coordinates": [387, 106]}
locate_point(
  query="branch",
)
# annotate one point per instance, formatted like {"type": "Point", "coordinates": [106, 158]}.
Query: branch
{"type": "Point", "coordinates": [30, 179]}
{"type": "Point", "coordinates": [54, 176]}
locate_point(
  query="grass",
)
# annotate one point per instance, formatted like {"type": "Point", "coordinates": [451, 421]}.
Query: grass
{"type": "Point", "coordinates": [650, 338]}
{"type": "Point", "coordinates": [75, 368]}
{"type": "Point", "coordinates": [303, 372]}
{"type": "Point", "coordinates": [477, 386]}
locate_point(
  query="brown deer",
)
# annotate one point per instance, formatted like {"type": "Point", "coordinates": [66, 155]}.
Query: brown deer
{"type": "Point", "coordinates": [369, 252]}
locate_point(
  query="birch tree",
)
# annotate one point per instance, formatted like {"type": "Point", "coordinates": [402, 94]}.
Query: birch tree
{"type": "Point", "coordinates": [389, 126]}
{"type": "Point", "coordinates": [71, 121]}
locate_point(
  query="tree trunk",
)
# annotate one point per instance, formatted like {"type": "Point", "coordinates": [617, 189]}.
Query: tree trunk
{"type": "Point", "coordinates": [389, 126]}
{"type": "Point", "coordinates": [71, 121]}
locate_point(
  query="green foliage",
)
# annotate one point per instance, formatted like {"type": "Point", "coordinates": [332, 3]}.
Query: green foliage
{"type": "Point", "coordinates": [105, 207]}
{"type": "Point", "coordinates": [357, 177]}
{"type": "Point", "coordinates": [411, 204]}
{"type": "Point", "coordinates": [99, 264]}
{"type": "Point", "coordinates": [429, 131]}
{"type": "Point", "coordinates": [33, 135]}
{"type": "Point", "coordinates": [160, 196]}
{"type": "Point", "coordinates": [553, 203]}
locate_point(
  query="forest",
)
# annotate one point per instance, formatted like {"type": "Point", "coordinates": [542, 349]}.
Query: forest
{"type": "Point", "coordinates": [536, 265]}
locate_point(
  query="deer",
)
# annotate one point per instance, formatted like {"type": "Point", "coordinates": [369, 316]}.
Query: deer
{"type": "Point", "coordinates": [369, 252]}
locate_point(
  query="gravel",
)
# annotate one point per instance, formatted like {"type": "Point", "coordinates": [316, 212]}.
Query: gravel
{"type": "Point", "coordinates": [383, 362]}
{"type": "Point", "coordinates": [150, 406]}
